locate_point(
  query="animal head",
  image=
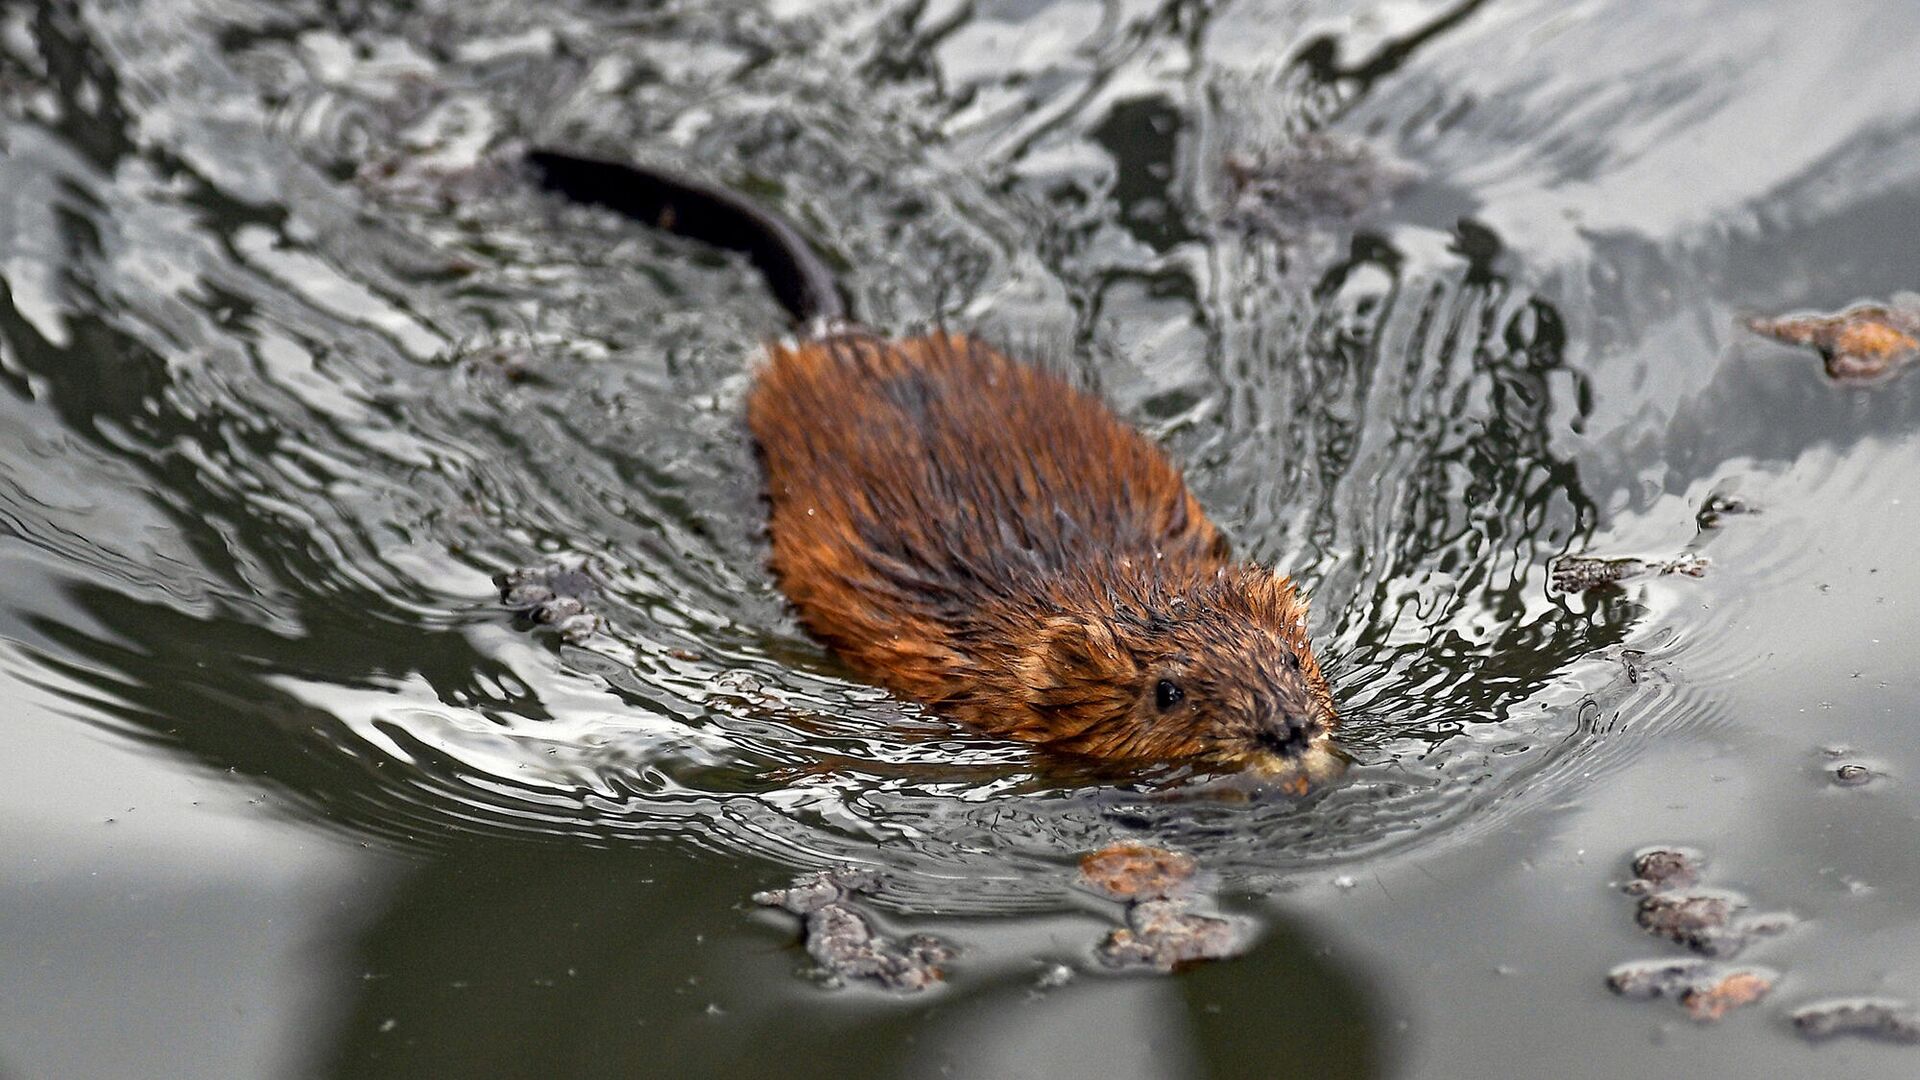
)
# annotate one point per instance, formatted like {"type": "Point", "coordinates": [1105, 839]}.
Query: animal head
{"type": "Point", "coordinates": [1214, 668]}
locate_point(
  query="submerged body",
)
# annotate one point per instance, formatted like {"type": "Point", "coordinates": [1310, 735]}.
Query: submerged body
{"type": "Point", "coordinates": [978, 535]}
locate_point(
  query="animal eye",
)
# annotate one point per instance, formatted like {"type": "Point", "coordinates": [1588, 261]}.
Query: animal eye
{"type": "Point", "coordinates": [1168, 694]}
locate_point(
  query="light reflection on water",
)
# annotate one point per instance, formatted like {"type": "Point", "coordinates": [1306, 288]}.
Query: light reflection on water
{"type": "Point", "coordinates": [296, 365]}
{"type": "Point", "coordinates": [376, 437]}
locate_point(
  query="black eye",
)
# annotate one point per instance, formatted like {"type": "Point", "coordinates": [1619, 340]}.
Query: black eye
{"type": "Point", "coordinates": [1167, 694]}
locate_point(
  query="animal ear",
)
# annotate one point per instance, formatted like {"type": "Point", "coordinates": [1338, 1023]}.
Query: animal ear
{"type": "Point", "coordinates": [1076, 649]}
{"type": "Point", "coordinates": [1079, 670]}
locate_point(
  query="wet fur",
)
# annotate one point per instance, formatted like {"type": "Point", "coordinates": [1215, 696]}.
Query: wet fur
{"type": "Point", "coordinates": [981, 536]}
{"type": "Point", "coordinates": [977, 534]}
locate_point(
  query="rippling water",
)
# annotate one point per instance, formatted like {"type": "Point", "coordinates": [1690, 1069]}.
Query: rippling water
{"type": "Point", "coordinates": [1423, 296]}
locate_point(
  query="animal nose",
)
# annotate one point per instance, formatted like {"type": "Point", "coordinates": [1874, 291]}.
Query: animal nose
{"type": "Point", "coordinates": [1284, 735]}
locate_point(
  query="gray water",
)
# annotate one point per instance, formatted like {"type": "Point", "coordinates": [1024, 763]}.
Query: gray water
{"type": "Point", "coordinates": [293, 364]}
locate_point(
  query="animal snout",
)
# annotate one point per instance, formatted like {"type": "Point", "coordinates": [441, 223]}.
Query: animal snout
{"type": "Point", "coordinates": [1286, 735]}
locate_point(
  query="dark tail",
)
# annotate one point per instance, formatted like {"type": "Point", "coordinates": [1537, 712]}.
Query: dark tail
{"type": "Point", "coordinates": [799, 278]}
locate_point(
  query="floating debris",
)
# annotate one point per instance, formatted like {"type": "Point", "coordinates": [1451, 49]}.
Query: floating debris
{"type": "Point", "coordinates": [556, 596]}
{"type": "Point", "coordinates": [1851, 774]}
{"type": "Point", "coordinates": [843, 942]}
{"type": "Point", "coordinates": [1708, 921]}
{"type": "Point", "coordinates": [1659, 868]}
{"type": "Point", "coordinates": [1717, 508]}
{"type": "Point", "coordinates": [1883, 1018]}
{"type": "Point", "coordinates": [1654, 978]}
{"type": "Point", "coordinates": [1159, 930]}
{"type": "Point", "coordinates": [1164, 935]}
{"type": "Point", "coordinates": [1862, 342]}
{"type": "Point", "coordinates": [1708, 991]}
{"type": "Point", "coordinates": [1711, 922]}
{"type": "Point", "coordinates": [1130, 871]}
{"type": "Point", "coordinates": [1693, 919]}
{"type": "Point", "coordinates": [811, 892]}
{"type": "Point", "coordinates": [1311, 180]}
{"type": "Point", "coordinates": [1583, 573]}
{"type": "Point", "coordinates": [1711, 1000]}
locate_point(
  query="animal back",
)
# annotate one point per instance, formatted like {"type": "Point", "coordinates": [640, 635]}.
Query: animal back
{"type": "Point", "coordinates": [918, 484]}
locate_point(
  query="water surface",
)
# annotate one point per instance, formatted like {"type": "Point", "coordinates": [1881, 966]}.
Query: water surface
{"type": "Point", "coordinates": [295, 364]}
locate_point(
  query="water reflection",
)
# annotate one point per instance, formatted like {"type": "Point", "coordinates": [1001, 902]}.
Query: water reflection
{"type": "Point", "coordinates": [291, 366]}
{"type": "Point", "coordinates": [510, 960]}
{"type": "Point", "coordinates": [320, 422]}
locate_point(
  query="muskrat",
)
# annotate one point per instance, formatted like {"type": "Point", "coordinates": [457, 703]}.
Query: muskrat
{"type": "Point", "coordinates": [980, 536]}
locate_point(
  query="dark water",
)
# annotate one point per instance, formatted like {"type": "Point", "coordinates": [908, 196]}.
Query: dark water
{"type": "Point", "coordinates": [293, 365]}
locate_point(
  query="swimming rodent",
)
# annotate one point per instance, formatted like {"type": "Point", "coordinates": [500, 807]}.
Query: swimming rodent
{"type": "Point", "coordinates": [976, 534]}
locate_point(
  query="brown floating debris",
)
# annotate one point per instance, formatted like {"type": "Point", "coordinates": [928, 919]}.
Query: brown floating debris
{"type": "Point", "coordinates": [1883, 1018]}
{"type": "Point", "coordinates": [1164, 935]}
{"type": "Point", "coordinates": [1862, 342]}
{"type": "Point", "coordinates": [843, 941]}
{"type": "Point", "coordinates": [1657, 868]}
{"type": "Point", "coordinates": [1711, 922]}
{"type": "Point", "coordinates": [1708, 921]}
{"type": "Point", "coordinates": [1130, 871]}
{"type": "Point", "coordinates": [1159, 932]}
{"type": "Point", "coordinates": [1714, 999]}
{"type": "Point", "coordinates": [1708, 991]}
{"type": "Point", "coordinates": [1694, 919]}
{"type": "Point", "coordinates": [1584, 573]}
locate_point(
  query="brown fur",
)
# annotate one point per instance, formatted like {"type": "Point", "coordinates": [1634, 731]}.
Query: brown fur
{"type": "Point", "coordinates": [976, 534]}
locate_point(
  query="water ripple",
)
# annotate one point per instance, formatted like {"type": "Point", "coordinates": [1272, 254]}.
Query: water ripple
{"type": "Point", "coordinates": [303, 366]}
